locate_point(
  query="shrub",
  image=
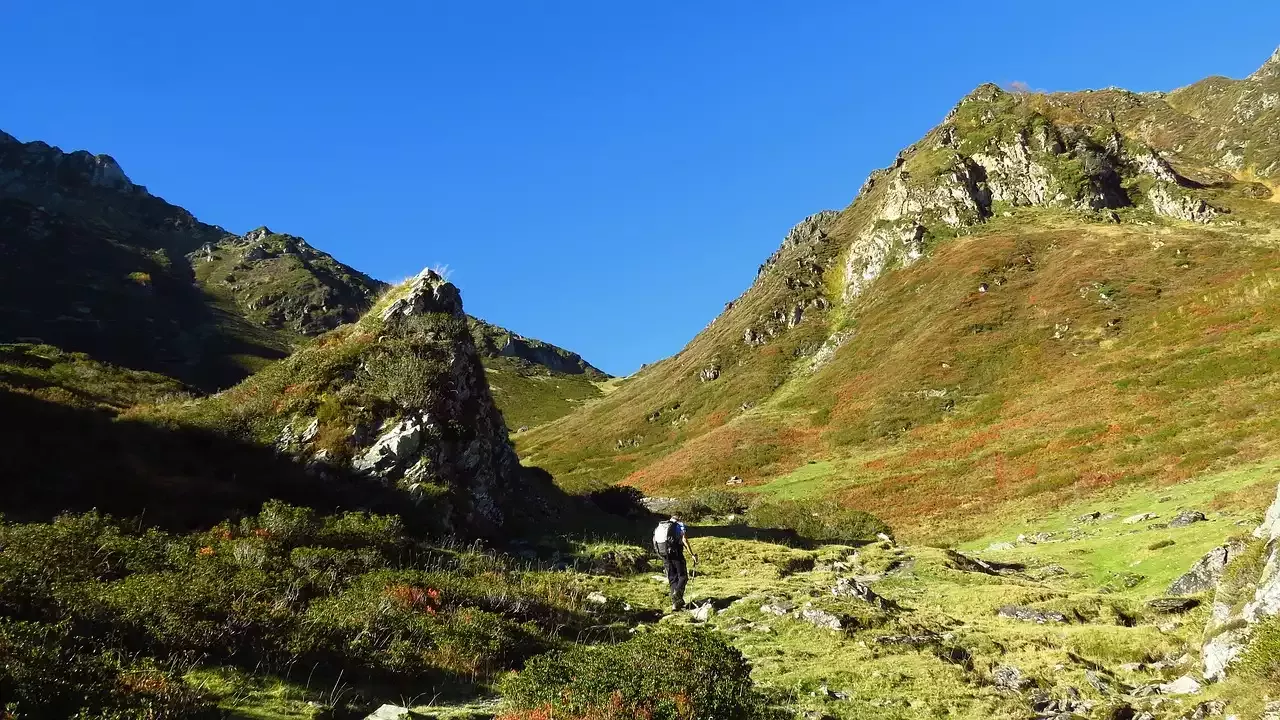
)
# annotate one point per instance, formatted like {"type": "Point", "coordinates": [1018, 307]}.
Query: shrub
{"type": "Point", "coordinates": [709, 503]}
{"type": "Point", "coordinates": [685, 674]}
{"type": "Point", "coordinates": [1261, 660]}
{"type": "Point", "coordinates": [618, 500]}
{"type": "Point", "coordinates": [90, 607]}
{"type": "Point", "coordinates": [818, 521]}
{"type": "Point", "coordinates": [604, 558]}
{"type": "Point", "coordinates": [48, 672]}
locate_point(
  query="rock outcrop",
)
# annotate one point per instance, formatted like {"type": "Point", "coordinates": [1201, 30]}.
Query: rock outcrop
{"type": "Point", "coordinates": [494, 342]}
{"type": "Point", "coordinates": [415, 411]}
{"type": "Point", "coordinates": [1234, 619]}
{"type": "Point", "coordinates": [994, 150]}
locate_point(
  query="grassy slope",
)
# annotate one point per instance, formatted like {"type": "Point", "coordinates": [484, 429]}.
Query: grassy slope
{"type": "Point", "coordinates": [885, 681]}
{"type": "Point", "coordinates": [531, 395]}
{"type": "Point", "coordinates": [949, 403]}
{"type": "Point", "coordinates": [76, 380]}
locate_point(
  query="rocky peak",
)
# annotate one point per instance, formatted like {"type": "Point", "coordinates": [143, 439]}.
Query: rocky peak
{"type": "Point", "coordinates": [1270, 69]}
{"type": "Point", "coordinates": [429, 292]}
{"type": "Point", "coordinates": [30, 165]}
{"type": "Point", "coordinates": [1016, 150]}
{"type": "Point", "coordinates": [258, 234]}
{"type": "Point", "coordinates": [418, 414]}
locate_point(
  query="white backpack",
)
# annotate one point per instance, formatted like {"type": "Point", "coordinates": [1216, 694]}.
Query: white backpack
{"type": "Point", "coordinates": [665, 534]}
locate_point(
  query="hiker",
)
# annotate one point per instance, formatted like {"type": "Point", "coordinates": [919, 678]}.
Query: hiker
{"type": "Point", "coordinates": [670, 541]}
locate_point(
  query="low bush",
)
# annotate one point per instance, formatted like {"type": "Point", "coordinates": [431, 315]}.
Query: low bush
{"type": "Point", "coordinates": [619, 500]}
{"type": "Point", "coordinates": [817, 521]}
{"type": "Point", "coordinates": [609, 558]}
{"type": "Point", "coordinates": [91, 607]}
{"type": "Point", "coordinates": [709, 503]}
{"type": "Point", "coordinates": [672, 674]}
{"type": "Point", "coordinates": [48, 672]}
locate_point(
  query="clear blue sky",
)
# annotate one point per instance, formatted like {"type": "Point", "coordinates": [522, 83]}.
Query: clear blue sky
{"type": "Point", "coordinates": [603, 175]}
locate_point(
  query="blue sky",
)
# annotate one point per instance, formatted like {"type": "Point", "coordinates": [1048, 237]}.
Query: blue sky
{"type": "Point", "coordinates": [602, 175]}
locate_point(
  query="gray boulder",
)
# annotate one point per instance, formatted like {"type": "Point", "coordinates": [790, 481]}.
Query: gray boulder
{"type": "Point", "coordinates": [821, 619]}
{"type": "Point", "coordinates": [1173, 604]}
{"type": "Point", "coordinates": [852, 588]}
{"type": "Point", "coordinates": [1140, 518]}
{"type": "Point", "coordinates": [1027, 614]}
{"type": "Point", "coordinates": [779, 608]}
{"type": "Point", "coordinates": [1187, 517]}
{"type": "Point", "coordinates": [1205, 574]}
{"type": "Point", "coordinates": [393, 448]}
{"type": "Point", "coordinates": [1008, 677]}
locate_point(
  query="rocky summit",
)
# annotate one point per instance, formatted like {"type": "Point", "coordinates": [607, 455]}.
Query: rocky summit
{"type": "Point", "coordinates": [996, 440]}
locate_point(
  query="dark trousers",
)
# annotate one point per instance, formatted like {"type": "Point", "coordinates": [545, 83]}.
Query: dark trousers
{"type": "Point", "coordinates": [677, 576]}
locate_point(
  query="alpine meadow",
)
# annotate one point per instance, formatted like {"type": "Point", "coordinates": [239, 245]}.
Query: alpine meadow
{"type": "Point", "coordinates": [1000, 439]}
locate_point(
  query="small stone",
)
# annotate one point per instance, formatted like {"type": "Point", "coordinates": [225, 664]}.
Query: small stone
{"type": "Point", "coordinates": [597, 598]}
{"type": "Point", "coordinates": [1141, 517]}
{"type": "Point", "coordinates": [1187, 517]}
{"type": "Point", "coordinates": [778, 608]}
{"type": "Point", "coordinates": [1026, 614]}
{"type": "Point", "coordinates": [1185, 685]}
{"type": "Point", "coordinates": [1173, 604]}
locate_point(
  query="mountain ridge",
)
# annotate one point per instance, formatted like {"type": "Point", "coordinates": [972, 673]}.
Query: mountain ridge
{"type": "Point", "coordinates": [997, 190]}
{"type": "Point", "coordinates": [141, 283]}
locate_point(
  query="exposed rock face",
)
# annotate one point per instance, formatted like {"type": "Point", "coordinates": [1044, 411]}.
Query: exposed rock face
{"type": "Point", "coordinates": [1230, 628]}
{"type": "Point", "coordinates": [1270, 70]}
{"type": "Point", "coordinates": [446, 444]}
{"type": "Point", "coordinates": [985, 153]}
{"type": "Point", "coordinates": [1167, 200]}
{"type": "Point", "coordinates": [792, 280]}
{"type": "Point", "coordinates": [493, 341]}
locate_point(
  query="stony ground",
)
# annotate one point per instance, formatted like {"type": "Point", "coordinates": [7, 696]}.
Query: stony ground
{"type": "Point", "coordinates": [1052, 617]}
{"type": "Point", "coordinates": [1059, 620]}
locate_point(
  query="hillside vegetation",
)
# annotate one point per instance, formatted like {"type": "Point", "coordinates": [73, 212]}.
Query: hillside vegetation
{"type": "Point", "coordinates": [1047, 296]}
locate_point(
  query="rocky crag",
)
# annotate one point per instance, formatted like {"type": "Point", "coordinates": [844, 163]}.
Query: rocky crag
{"type": "Point", "coordinates": [1246, 596]}
{"type": "Point", "coordinates": [397, 400]}
{"type": "Point", "coordinates": [135, 281]}
{"type": "Point", "coordinates": [131, 279]}
{"type": "Point", "coordinates": [496, 342]}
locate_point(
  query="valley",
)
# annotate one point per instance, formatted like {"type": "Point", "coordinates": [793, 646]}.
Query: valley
{"type": "Point", "coordinates": [996, 440]}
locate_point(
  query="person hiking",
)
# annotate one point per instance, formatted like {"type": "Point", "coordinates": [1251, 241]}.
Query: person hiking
{"type": "Point", "coordinates": [670, 541]}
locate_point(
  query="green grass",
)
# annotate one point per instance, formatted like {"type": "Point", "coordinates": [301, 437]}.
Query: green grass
{"type": "Point", "coordinates": [75, 379]}
{"type": "Point", "coordinates": [530, 395]}
{"type": "Point", "coordinates": [1109, 623]}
